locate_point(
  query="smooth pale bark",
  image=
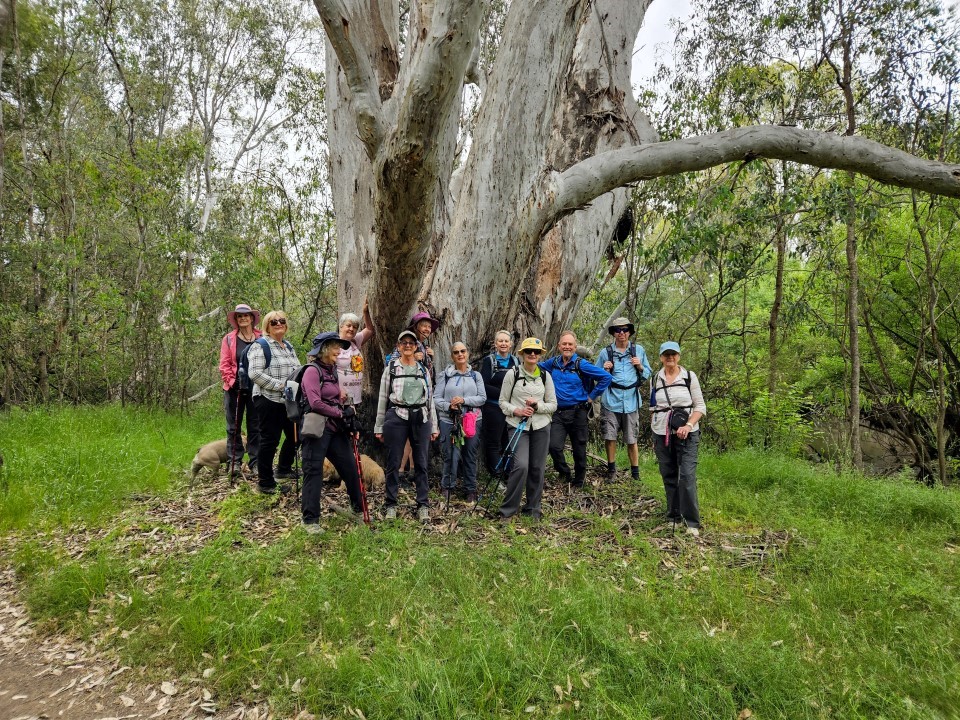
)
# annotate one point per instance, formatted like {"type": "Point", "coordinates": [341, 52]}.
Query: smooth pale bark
{"type": "Point", "coordinates": [515, 237]}
{"type": "Point", "coordinates": [595, 113]}
{"type": "Point", "coordinates": [490, 248]}
{"type": "Point", "coordinates": [351, 171]}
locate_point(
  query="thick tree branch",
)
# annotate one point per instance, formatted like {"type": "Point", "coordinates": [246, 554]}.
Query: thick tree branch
{"type": "Point", "coordinates": [581, 183]}
{"type": "Point", "coordinates": [359, 72]}
{"type": "Point", "coordinates": [438, 69]}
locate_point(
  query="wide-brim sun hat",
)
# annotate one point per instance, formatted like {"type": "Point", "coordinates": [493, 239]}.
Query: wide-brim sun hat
{"type": "Point", "coordinates": [321, 339]}
{"type": "Point", "coordinates": [669, 345]}
{"type": "Point", "coordinates": [242, 309]}
{"type": "Point", "coordinates": [621, 322]}
{"type": "Point", "coordinates": [532, 343]}
{"type": "Point", "coordinates": [434, 323]}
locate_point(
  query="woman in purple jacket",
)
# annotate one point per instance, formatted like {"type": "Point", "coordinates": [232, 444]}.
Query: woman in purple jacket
{"type": "Point", "coordinates": [321, 388]}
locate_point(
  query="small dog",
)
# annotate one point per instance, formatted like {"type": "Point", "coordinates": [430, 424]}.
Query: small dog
{"type": "Point", "coordinates": [211, 455]}
{"type": "Point", "coordinates": [373, 477]}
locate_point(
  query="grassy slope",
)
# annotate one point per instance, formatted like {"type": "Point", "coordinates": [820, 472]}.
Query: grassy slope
{"type": "Point", "coordinates": [857, 616]}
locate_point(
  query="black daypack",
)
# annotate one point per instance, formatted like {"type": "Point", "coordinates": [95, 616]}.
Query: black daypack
{"type": "Point", "coordinates": [633, 354]}
{"type": "Point", "coordinates": [679, 414]}
{"type": "Point", "coordinates": [495, 368]}
{"type": "Point", "coordinates": [294, 400]}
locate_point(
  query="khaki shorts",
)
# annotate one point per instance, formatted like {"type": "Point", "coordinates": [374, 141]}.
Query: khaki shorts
{"type": "Point", "coordinates": [612, 423]}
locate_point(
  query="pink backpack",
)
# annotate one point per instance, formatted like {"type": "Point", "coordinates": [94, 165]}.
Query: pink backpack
{"type": "Point", "coordinates": [470, 423]}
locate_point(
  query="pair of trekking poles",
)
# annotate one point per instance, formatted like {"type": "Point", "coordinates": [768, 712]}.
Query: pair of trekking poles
{"type": "Point", "coordinates": [501, 471]}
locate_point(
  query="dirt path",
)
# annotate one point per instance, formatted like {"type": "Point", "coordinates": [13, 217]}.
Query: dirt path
{"type": "Point", "coordinates": [48, 677]}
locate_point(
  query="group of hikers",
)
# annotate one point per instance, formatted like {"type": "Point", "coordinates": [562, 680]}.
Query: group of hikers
{"type": "Point", "coordinates": [517, 409]}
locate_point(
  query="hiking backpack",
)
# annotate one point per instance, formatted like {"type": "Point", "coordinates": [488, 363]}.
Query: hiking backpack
{"type": "Point", "coordinates": [422, 375]}
{"type": "Point", "coordinates": [243, 367]}
{"type": "Point", "coordinates": [294, 400]}
{"type": "Point", "coordinates": [632, 347]}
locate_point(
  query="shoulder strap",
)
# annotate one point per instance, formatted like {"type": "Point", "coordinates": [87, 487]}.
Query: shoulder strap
{"type": "Point", "coordinates": [267, 352]}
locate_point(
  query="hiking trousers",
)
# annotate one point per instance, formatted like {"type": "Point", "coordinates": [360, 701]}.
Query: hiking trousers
{"type": "Point", "coordinates": [273, 422]}
{"type": "Point", "coordinates": [494, 435]}
{"type": "Point", "coordinates": [454, 455]}
{"type": "Point", "coordinates": [338, 449]}
{"type": "Point", "coordinates": [526, 473]}
{"type": "Point", "coordinates": [678, 468]}
{"type": "Point", "coordinates": [235, 404]}
{"type": "Point", "coordinates": [396, 432]}
{"type": "Point", "coordinates": [570, 421]}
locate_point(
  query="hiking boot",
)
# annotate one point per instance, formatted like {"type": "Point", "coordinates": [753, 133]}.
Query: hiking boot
{"type": "Point", "coordinates": [391, 513]}
{"type": "Point", "coordinates": [312, 528]}
{"type": "Point", "coordinates": [471, 497]}
{"type": "Point", "coordinates": [610, 475]}
{"type": "Point", "coordinates": [267, 490]}
{"type": "Point", "coordinates": [693, 531]}
{"type": "Point", "coordinates": [446, 495]}
{"type": "Point", "coordinates": [284, 474]}
{"type": "Point", "coordinates": [423, 513]}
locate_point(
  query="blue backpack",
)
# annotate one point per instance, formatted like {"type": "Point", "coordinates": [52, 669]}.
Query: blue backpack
{"type": "Point", "coordinates": [243, 368]}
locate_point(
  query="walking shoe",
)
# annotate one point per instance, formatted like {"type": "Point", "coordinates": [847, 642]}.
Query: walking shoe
{"type": "Point", "coordinates": [391, 513]}
{"type": "Point", "coordinates": [423, 514]}
{"type": "Point", "coordinates": [610, 475]}
{"type": "Point", "coordinates": [446, 495]}
{"type": "Point", "coordinates": [264, 490]}
{"type": "Point", "coordinates": [471, 497]}
{"type": "Point", "coordinates": [284, 474]}
{"type": "Point", "coordinates": [693, 531]}
{"type": "Point", "coordinates": [312, 528]}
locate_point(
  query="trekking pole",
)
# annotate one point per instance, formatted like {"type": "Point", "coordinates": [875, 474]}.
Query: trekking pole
{"type": "Point", "coordinates": [236, 435]}
{"type": "Point", "coordinates": [500, 470]}
{"type": "Point", "coordinates": [296, 458]}
{"type": "Point", "coordinates": [457, 417]}
{"type": "Point", "coordinates": [363, 488]}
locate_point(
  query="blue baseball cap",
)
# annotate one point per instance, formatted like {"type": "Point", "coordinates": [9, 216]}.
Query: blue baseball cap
{"type": "Point", "coordinates": [669, 345]}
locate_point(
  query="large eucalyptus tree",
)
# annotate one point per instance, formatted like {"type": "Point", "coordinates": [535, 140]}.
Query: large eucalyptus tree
{"type": "Point", "coordinates": [502, 220]}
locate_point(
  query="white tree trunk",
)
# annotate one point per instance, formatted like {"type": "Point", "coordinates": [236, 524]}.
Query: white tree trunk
{"type": "Point", "coordinates": [556, 134]}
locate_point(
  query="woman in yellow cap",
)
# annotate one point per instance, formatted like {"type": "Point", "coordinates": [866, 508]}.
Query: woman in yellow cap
{"type": "Point", "coordinates": [528, 396]}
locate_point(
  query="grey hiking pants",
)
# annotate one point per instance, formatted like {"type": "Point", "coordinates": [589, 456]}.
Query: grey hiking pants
{"type": "Point", "coordinates": [526, 473]}
{"type": "Point", "coordinates": [678, 468]}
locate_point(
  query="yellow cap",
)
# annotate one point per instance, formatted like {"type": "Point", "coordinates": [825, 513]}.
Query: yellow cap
{"type": "Point", "coordinates": [532, 343]}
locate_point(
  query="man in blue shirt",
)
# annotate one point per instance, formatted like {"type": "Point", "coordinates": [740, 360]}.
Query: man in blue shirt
{"type": "Point", "coordinates": [620, 404]}
{"type": "Point", "coordinates": [573, 380]}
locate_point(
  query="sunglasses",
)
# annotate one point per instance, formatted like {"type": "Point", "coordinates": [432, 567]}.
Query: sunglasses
{"type": "Point", "coordinates": [274, 323]}
{"type": "Point", "coordinates": [621, 330]}
{"type": "Point", "coordinates": [532, 352]}
{"type": "Point", "coordinates": [407, 342]}
{"type": "Point", "coordinates": [459, 352]}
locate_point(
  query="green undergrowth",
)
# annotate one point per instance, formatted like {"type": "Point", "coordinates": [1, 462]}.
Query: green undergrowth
{"type": "Point", "coordinates": [75, 464]}
{"type": "Point", "coordinates": [810, 595]}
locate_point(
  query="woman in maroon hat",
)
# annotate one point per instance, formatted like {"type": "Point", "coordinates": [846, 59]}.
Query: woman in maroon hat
{"type": "Point", "coordinates": [237, 399]}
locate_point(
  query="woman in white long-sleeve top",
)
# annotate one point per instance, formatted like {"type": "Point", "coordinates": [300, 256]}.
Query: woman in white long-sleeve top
{"type": "Point", "coordinates": [677, 406]}
{"type": "Point", "coordinates": [528, 394]}
{"type": "Point", "coordinates": [459, 396]}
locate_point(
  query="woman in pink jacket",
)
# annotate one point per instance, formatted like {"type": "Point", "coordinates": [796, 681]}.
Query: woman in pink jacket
{"type": "Point", "coordinates": [237, 398]}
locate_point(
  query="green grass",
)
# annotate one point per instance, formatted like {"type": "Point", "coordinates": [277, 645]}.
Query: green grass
{"type": "Point", "coordinates": [856, 616]}
{"type": "Point", "coordinates": [75, 464]}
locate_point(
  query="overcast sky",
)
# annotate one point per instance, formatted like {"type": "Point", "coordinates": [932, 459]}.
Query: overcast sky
{"type": "Point", "coordinates": [656, 30]}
